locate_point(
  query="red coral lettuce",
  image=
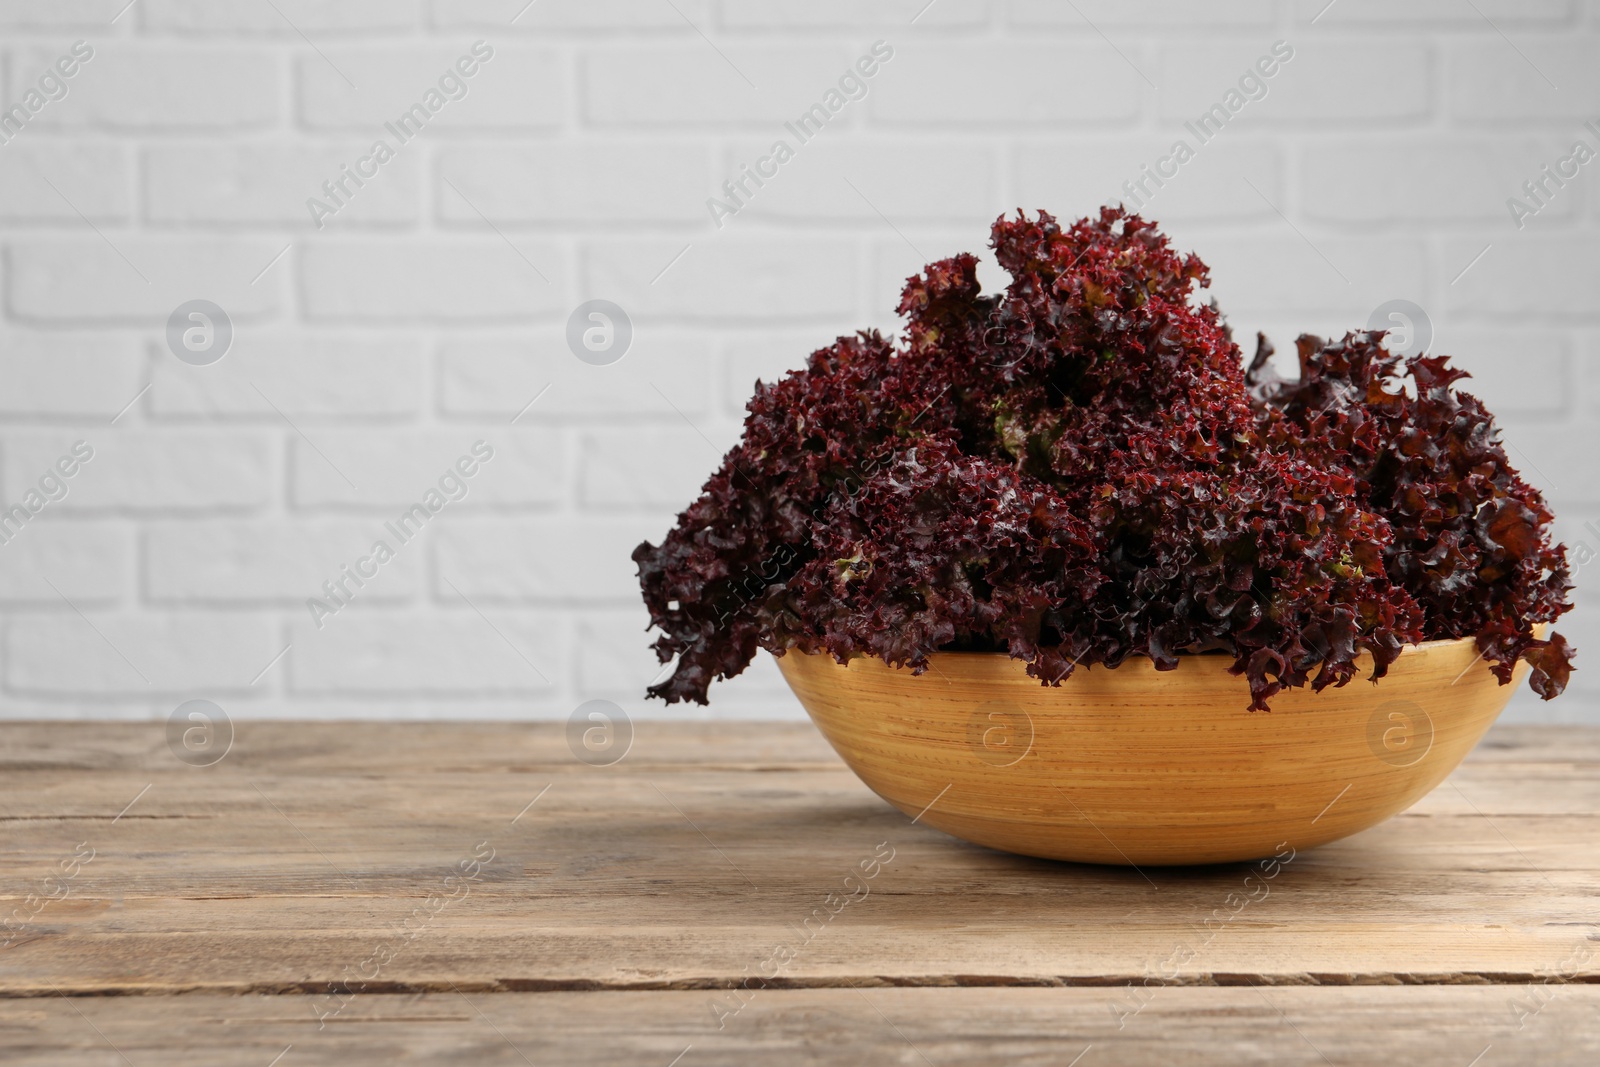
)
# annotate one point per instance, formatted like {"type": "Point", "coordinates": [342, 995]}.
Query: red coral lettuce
{"type": "Point", "coordinates": [1077, 470]}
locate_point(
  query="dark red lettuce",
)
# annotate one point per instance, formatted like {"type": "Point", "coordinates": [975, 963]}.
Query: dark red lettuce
{"type": "Point", "coordinates": [1075, 471]}
{"type": "Point", "coordinates": [1471, 539]}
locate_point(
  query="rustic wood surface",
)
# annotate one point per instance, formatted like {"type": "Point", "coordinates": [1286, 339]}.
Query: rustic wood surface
{"type": "Point", "coordinates": [326, 886]}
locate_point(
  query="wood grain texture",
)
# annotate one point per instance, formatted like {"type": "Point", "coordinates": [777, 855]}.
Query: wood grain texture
{"type": "Point", "coordinates": [1147, 767]}
{"type": "Point", "coordinates": [1417, 1026]}
{"type": "Point", "coordinates": [292, 880]}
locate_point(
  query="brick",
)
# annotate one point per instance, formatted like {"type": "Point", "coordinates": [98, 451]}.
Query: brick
{"type": "Point", "coordinates": [1558, 460]}
{"type": "Point", "coordinates": [759, 692]}
{"type": "Point", "coordinates": [91, 178]}
{"type": "Point", "coordinates": [555, 560]}
{"type": "Point", "coordinates": [727, 277]}
{"type": "Point", "coordinates": [516, 88]}
{"type": "Point", "coordinates": [87, 562]}
{"type": "Point", "coordinates": [1067, 177]}
{"type": "Point", "coordinates": [1013, 84]}
{"type": "Point", "coordinates": [47, 375]}
{"type": "Point", "coordinates": [1553, 80]}
{"type": "Point", "coordinates": [763, 357]}
{"type": "Point", "coordinates": [1525, 277]}
{"type": "Point", "coordinates": [1396, 169]}
{"type": "Point", "coordinates": [613, 660]}
{"type": "Point", "coordinates": [896, 15]}
{"type": "Point", "coordinates": [1518, 373]}
{"type": "Point", "coordinates": [291, 18]}
{"type": "Point", "coordinates": [455, 653]}
{"type": "Point", "coordinates": [611, 15]}
{"type": "Point", "coordinates": [661, 467]}
{"type": "Point", "coordinates": [689, 84]}
{"type": "Point", "coordinates": [1285, 273]}
{"type": "Point", "coordinates": [393, 469]}
{"type": "Point", "coordinates": [602, 181]}
{"type": "Point", "coordinates": [498, 376]}
{"type": "Point", "coordinates": [202, 653]}
{"type": "Point", "coordinates": [1282, 330]}
{"type": "Point", "coordinates": [269, 183]}
{"type": "Point", "coordinates": [1434, 14]}
{"type": "Point", "coordinates": [1447, 179]}
{"type": "Point", "coordinates": [61, 15]}
{"type": "Point", "coordinates": [1582, 630]}
{"type": "Point", "coordinates": [475, 281]}
{"type": "Point", "coordinates": [1144, 15]}
{"type": "Point", "coordinates": [1324, 80]}
{"type": "Point", "coordinates": [1523, 376]}
{"type": "Point", "coordinates": [1573, 529]}
{"type": "Point", "coordinates": [895, 257]}
{"type": "Point", "coordinates": [890, 174]}
{"type": "Point", "coordinates": [139, 87]}
{"type": "Point", "coordinates": [378, 709]}
{"type": "Point", "coordinates": [138, 280]}
{"type": "Point", "coordinates": [146, 471]}
{"type": "Point", "coordinates": [1589, 372]}
{"type": "Point", "coordinates": [273, 561]}
{"type": "Point", "coordinates": [301, 374]}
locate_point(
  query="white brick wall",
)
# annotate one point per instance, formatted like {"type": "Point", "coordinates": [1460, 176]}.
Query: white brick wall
{"type": "Point", "coordinates": [370, 353]}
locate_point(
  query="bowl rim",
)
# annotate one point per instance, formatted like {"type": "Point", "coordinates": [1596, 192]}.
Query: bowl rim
{"type": "Point", "coordinates": [1437, 642]}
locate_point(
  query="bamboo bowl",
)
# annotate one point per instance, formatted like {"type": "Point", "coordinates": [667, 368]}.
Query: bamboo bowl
{"type": "Point", "coordinates": [1139, 767]}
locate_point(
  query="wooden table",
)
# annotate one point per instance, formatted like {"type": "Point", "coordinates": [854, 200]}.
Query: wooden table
{"type": "Point", "coordinates": [365, 893]}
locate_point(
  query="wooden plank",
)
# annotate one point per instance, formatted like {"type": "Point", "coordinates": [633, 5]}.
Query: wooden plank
{"type": "Point", "coordinates": [303, 857]}
{"type": "Point", "coordinates": [390, 748]}
{"type": "Point", "coordinates": [1552, 743]}
{"type": "Point", "coordinates": [1420, 1026]}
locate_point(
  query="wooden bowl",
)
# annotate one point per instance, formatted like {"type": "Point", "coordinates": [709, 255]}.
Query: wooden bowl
{"type": "Point", "coordinates": [1138, 766]}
